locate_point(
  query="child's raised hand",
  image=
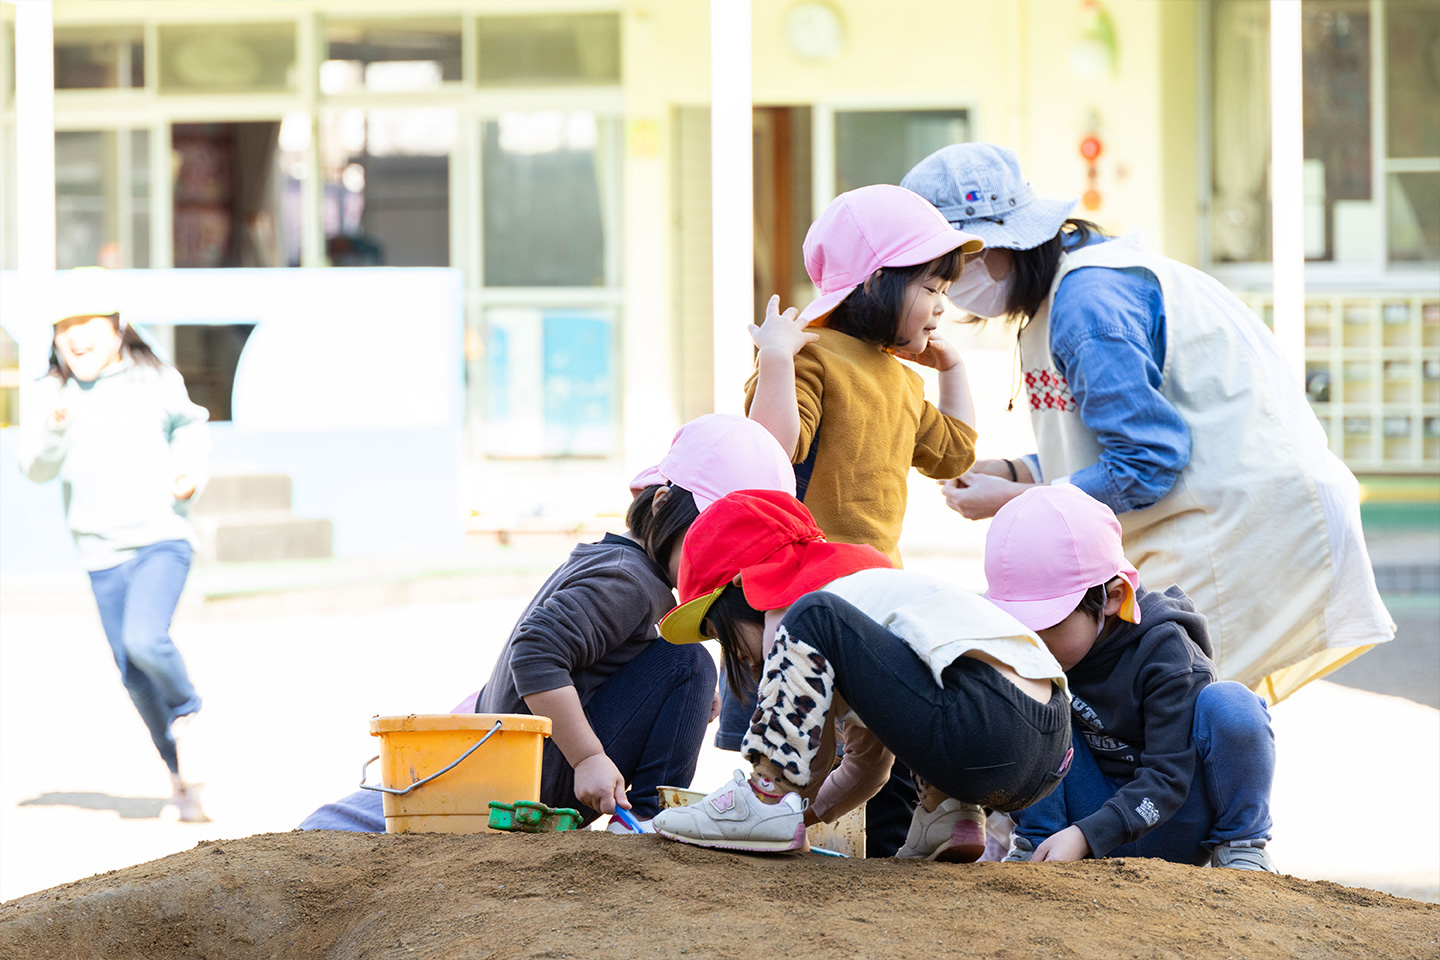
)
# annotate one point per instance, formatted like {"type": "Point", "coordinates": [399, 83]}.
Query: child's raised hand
{"type": "Point", "coordinates": [781, 332]}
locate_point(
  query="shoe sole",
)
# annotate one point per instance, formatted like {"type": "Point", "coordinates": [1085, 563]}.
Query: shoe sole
{"type": "Point", "coordinates": [800, 843]}
{"type": "Point", "coordinates": [966, 844]}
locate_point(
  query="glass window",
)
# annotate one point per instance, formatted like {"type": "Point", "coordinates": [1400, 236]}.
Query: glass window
{"type": "Point", "coordinates": [381, 55]}
{"type": "Point", "coordinates": [227, 57]}
{"type": "Point", "coordinates": [229, 196]}
{"type": "Point", "coordinates": [880, 146]}
{"type": "Point", "coordinates": [546, 180]}
{"type": "Point", "coordinates": [1340, 214]}
{"type": "Point", "coordinates": [1412, 78]}
{"type": "Point", "coordinates": [553, 48]}
{"type": "Point", "coordinates": [1412, 121]}
{"type": "Point", "coordinates": [387, 186]}
{"type": "Point", "coordinates": [550, 382]}
{"type": "Point", "coordinates": [1414, 216]}
{"type": "Point", "coordinates": [207, 356]}
{"type": "Point", "coordinates": [1240, 131]}
{"type": "Point", "coordinates": [89, 58]}
{"type": "Point", "coordinates": [1344, 220]}
{"type": "Point", "coordinates": [102, 191]}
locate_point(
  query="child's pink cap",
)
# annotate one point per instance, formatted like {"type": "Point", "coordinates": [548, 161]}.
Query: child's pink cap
{"type": "Point", "coordinates": [869, 228]}
{"type": "Point", "coordinates": [718, 454]}
{"type": "Point", "coordinates": [1047, 547]}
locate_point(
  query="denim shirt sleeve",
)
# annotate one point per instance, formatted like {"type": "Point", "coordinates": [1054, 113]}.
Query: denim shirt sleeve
{"type": "Point", "coordinates": [1107, 338]}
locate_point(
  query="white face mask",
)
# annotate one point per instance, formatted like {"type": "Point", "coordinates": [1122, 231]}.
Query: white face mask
{"type": "Point", "coordinates": [979, 293]}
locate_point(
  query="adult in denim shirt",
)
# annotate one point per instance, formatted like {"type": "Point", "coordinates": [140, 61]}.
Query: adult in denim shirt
{"type": "Point", "coordinates": [1156, 391]}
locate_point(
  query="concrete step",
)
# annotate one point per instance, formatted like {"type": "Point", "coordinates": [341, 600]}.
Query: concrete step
{"type": "Point", "coordinates": [243, 492]}
{"type": "Point", "coordinates": [263, 535]}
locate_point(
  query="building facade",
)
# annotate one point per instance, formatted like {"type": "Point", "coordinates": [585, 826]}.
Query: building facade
{"type": "Point", "coordinates": [556, 153]}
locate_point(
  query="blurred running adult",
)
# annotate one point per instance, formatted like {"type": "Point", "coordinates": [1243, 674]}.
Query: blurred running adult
{"type": "Point", "coordinates": [116, 425]}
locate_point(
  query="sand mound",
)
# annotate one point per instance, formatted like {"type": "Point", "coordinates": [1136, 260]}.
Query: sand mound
{"type": "Point", "coordinates": [343, 896]}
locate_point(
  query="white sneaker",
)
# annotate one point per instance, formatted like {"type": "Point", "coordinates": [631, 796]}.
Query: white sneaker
{"type": "Point", "coordinates": [733, 818]}
{"type": "Point", "coordinates": [954, 832]}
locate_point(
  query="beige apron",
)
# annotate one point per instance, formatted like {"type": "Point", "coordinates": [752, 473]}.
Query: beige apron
{"type": "Point", "coordinates": [1262, 526]}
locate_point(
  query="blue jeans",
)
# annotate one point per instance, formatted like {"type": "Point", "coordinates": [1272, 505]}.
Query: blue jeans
{"type": "Point", "coordinates": [1229, 796]}
{"type": "Point", "coordinates": [137, 600]}
{"type": "Point", "coordinates": [650, 716]}
{"type": "Point", "coordinates": [735, 714]}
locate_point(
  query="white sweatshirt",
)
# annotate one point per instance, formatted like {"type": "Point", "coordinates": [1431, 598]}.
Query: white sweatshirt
{"type": "Point", "coordinates": [127, 436]}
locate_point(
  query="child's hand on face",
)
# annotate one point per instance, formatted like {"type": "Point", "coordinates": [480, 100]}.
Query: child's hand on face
{"type": "Point", "coordinates": [600, 785]}
{"type": "Point", "coordinates": [782, 332]}
{"type": "Point", "coordinates": [1068, 844]}
{"type": "Point", "coordinates": [937, 354]}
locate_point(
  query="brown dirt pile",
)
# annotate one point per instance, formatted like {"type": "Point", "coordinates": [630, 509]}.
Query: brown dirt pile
{"type": "Point", "coordinates": [343, 896]}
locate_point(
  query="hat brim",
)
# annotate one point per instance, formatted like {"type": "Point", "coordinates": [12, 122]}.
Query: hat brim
{"type": "Point", "coordinates": [649, 477]}
{"type": "Point", "coordinates": [685, 623]}
{"type": "Point", "coordinates": [1039, 615]}
{"type": "Point", "coordinates": [923, 252]}
{"type": "Point", "coordinates": [1024, 229]}
{"type": "Point", "coordinates": [88, 314]}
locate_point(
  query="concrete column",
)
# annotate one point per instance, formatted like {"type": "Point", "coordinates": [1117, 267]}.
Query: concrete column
{"type": "Point", "coordinates": [1287, 198]}
{"type": "Point", "coordinates": [732, 198]}
{"type": "Point", "coordinates": [35, 180]}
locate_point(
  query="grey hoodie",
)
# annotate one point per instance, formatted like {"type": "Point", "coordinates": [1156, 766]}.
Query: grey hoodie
{"type": "Point", "coordinates": [128, 434]}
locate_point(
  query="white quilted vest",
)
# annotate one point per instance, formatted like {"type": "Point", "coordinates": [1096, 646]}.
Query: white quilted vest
{"type": "Point", "coordinates": [1262, 527]}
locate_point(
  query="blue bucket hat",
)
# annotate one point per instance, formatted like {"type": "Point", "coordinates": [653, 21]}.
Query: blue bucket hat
{"type": "Point", "coordinates": [979, 189]}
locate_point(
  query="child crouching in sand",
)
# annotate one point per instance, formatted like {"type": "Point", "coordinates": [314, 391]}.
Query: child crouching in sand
{"type": "Point", "coordinates": [1168, 763]}
{"type": "Point", "coordinates": [917, 669]}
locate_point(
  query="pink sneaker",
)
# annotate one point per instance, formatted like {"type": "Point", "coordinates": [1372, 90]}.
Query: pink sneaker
{"type": "Point", "coordinates": [954, 832]}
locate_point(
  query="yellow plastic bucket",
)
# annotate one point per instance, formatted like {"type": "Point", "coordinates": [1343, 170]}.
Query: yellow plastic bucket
{"type": "Point", "coordinates": [439, 772]}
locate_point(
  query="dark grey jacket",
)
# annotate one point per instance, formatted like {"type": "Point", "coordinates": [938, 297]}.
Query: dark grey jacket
{"type": "Point", "coordinates": [1133, 701]}
{"type": "Point", "coordinates": [595, 614]}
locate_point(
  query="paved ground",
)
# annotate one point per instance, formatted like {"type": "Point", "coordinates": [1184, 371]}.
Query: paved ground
{"type": "Point", "coordinates": [290, 679]}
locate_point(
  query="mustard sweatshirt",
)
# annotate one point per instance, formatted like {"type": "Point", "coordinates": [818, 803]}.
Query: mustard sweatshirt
{"type": "Point", "coordinates": [865, 418]}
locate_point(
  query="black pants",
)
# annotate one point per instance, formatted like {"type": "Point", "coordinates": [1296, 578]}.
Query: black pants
{"type": "Point", "coordinates": [977, 738]}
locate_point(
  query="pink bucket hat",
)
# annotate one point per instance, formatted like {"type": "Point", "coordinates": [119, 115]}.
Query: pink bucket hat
{"type": "Point", "coordinates": [1047, 547]}
{"type": "Point", "coordinates": [872, 227]}
{"type": "Point", "coordinates": [720, 453]}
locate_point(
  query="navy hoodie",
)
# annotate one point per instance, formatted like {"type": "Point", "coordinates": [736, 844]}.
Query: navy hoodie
{"type": "Point", "coordinates": [1133, 700]}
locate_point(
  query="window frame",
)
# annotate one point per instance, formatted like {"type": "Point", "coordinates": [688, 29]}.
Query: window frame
{"type": "Point", "coordinates": [1380, 273]}
{"type": "Point", "coordinates": [147, 108]}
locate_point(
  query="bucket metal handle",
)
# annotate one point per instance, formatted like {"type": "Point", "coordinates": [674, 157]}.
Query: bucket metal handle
{"type": "Point", "coordinates": [400, 792]}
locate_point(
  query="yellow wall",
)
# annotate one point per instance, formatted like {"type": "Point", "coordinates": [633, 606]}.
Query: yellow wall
{"type": "Point", "coordinates": [1008, 62]}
